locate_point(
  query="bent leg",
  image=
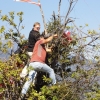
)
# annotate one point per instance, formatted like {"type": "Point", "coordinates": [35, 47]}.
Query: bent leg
{"type": "Point", "coordinates": [45, 68]}
{"type": "Point", "coordinates": [50, 71]}
{"type": "Point", "coordinates": [28, 82]}
{"type": "Point", "coordinates": [24, 70]}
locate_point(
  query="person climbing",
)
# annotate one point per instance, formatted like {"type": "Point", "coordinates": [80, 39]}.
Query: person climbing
{"type": "Point", "coordinates": [37, 63]}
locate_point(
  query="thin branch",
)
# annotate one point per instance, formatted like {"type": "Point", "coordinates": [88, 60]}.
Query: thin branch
{"type": "Point", "coordinates": [91, 42]}
{"type": "Point", "coordinates": [54, 17]}
{"type": "Point", "coordinates": [19, 24]}
{"type": "Point", "coordinates": [78, 28]}
{"type": "Point", "coordinates": [13, 26]}
{"type": "Point", "coordinates": [43, 18]}
{"type": "Point", "coordinates": [69, 10]}
{"type": "Point", "coordinates": [59, 9]}
{"type": "Point", "coordinates": [71, 2]}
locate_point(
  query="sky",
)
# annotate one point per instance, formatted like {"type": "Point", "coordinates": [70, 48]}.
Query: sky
{"type": "Point", "coordinates": [85, 11]}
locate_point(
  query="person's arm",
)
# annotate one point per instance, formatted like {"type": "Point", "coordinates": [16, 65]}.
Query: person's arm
{"type": "Point", "coordinates": [49, 39]}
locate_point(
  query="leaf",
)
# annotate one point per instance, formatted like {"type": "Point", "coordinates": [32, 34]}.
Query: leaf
{"type": "Point", "coordinates": [55, 98]}
{"type": "Point", "coordinates": [67, 27]}
{"type": "Point", "coordinates": [80, 26]}
{"type": "Point", "coordinates": [20, 13]}
{"type": "Point", "coordinates": [20, 19]}
{"type": "Point", "coordinates": [7, 36]}
{"type": "Point", "coordinates": [86, 24]}
{"type": "Point", "coordinates": [11, 13]}
{"type": "Point", "coordinates": [75, 75]}
{"type": "Point", "coordinates": [4, 50]}
{"type": "Point", "coordinates": [15, 34]}
{"type": "Point", "coordinates": [3, 18]}
{"type": "Point", "coordinates": [10, 44]}
{"type": "Point", "coordinates": [2, 29]}
{"type": "Point", "coordinates": [22, 27]}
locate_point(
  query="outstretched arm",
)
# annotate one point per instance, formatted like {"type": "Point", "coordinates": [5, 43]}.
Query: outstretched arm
{"type": "Point", "coordinates": [49, 39]}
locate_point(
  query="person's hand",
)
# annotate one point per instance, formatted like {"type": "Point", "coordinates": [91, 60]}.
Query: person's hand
{"type": "Point", "coordinates": [55, 35]}
{"type": "Point", "coordinates": [52, 46]}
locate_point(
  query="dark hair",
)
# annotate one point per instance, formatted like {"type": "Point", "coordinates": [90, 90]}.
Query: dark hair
{"type": "Point", "coordinates": [41, 35]}
{"type": "Point", "coordinates": [46, 35]}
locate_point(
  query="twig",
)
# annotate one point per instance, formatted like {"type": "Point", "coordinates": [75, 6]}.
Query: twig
{"type": "Point", "coordinates": [69, 10]}
{"type": "Point", "coordinates": [43, 18]}
{"type": "Point", "coordinates": [59, 9]}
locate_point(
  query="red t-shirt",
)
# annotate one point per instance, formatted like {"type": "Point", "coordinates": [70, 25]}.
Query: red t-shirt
{"type": "Point", "coordinates": [39, 52]}
{"type": "Point", "coordinates": [67, 35]}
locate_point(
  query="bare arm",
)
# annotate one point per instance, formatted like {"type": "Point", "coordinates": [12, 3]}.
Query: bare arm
{"type": "Point", "coordinates": [49, 39]}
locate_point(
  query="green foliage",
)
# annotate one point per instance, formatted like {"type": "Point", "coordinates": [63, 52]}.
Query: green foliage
{"type": "Point", "coordinates": [53, 25]}
{"type": "Point", "coordinates": [9, 44]}
{"type": "Point", "coordinates": [11, 83]}
{"type": "Point", "coordinates": [4, 17]}
{"type": "Point", "coordinates": [9, 75]}
{"type": "Point", "coordinates": [93, 95]}
{"type": "Point", "coordinates": [48, 80]}
{"type": "Point", "coordinates": [2, 29]}
{"type": "Point", "coordinates": [10, 69]}
{"type": "Point", "coordinates": [92, 32]}
{"type": "Point", "coordinates": [61, 46]}
{"type": "Point", "coordinates": [56, 92]}
{"type": "Point", "coordinates": [13, 33]}
{"type": "Point", "coordinates": [20, 16]}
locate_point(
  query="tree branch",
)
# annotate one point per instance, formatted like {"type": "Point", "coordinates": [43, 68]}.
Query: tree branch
{"type": "Point", "coordinates": [69, 10]}
{"type": "Point", "coordinates": [59, 9]}
{"type": "Point", "coordinates": [43, 18]}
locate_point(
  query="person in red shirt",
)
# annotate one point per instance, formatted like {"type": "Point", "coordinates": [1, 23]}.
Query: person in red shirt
{"type": "Point", "coordinates": [67, 39]}
{"type": "Point", "coordinates": [37, 62]}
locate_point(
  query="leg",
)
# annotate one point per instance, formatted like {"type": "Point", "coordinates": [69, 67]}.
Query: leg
{"type": "Point", "coordinates": [24, 70]}
{"type": "Point", "coordinates": [50, 71]}
{"type": "Point", "coordinates": [32, 73]}
{"type": "Point", "coordinates": [45, 68]}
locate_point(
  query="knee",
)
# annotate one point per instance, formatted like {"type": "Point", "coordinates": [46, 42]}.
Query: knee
{"type": "Point", "coordinates": [51, 71]}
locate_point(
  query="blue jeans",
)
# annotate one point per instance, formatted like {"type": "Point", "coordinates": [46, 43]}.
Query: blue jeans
{"type": "Point", "coordinates": [38, 66]}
